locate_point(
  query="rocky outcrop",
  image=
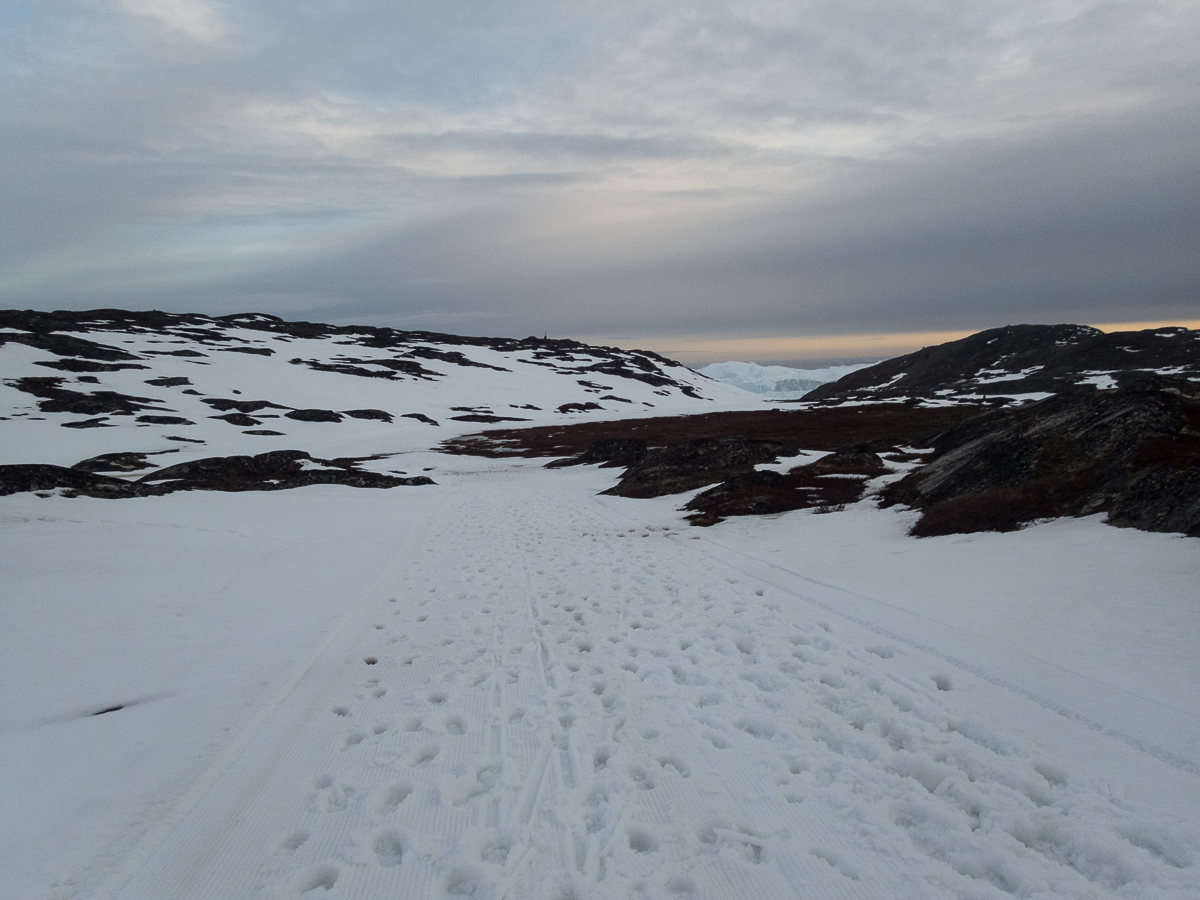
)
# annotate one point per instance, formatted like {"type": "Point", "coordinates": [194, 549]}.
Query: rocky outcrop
{"type": "Point", "coordinates": [274, 471]}
{"type": "Point", "coordinates": [1133, 453]}
{"type": "Point", "coordinates": [685, 467]}
{"type": "Point", "coordinates": [45, 477]}
{"type": "Point", "coordinates": [1022, 359]}
{"type": "Point", "coordinates": [607, 452]}
{"type": "Point", "coordinates": [827, 484]}
{"type": "Point", "coordinates": [55, 398]}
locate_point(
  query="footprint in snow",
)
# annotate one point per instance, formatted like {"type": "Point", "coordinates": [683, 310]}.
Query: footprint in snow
{"type": "Point", "coordinates": [313, 878]}
{"type": "Point", "coordinates": [295, 840]}
{"type": "Point", "coordinates": [389, 846]}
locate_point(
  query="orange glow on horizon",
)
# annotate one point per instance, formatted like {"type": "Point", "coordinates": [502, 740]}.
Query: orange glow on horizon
{"type": "Point", "coordinates": [700, 350]}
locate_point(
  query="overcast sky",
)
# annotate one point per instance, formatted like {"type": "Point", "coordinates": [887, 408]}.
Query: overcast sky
{"type": "Point", "coordinates": [648, 169]}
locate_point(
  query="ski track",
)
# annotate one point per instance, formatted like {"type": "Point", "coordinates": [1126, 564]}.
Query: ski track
{"type": "Point", "coordinates": [537, 700]}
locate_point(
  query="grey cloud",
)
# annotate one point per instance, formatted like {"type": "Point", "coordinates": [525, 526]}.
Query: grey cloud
{"type": "Point", "coordinates": [1012, 166]}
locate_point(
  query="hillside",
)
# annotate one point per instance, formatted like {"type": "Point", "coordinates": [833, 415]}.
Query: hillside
{"type": "Point", "coordinates": [164, 388]}
{"type": "Point", "coordinates": [300, 641]}
{"type": "Point", "coordinates": [1021, 362]}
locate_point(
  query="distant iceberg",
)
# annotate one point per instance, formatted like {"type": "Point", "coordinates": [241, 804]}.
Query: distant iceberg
{"type": "Point", "coordinates": [783, 381]}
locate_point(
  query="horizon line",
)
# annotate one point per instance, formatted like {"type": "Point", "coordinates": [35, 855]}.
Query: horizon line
{"type": "Point", "coordinates": [703, 349]}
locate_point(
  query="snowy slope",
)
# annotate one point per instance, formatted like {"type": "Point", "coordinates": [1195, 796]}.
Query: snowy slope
{"type": "Point", "coordinates": [441, 377]}
{"type": "Point", "coordinates": [508, 685]}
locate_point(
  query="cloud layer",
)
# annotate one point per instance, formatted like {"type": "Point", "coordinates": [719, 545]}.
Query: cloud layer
{"type": "Point", "coordinates": [617, 168]}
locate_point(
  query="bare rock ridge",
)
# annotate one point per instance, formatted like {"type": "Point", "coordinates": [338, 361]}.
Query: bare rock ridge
{"type": "Point", "coordinates": [993, 365]}
{"type": "Point", "coordinates": [1133, 453]}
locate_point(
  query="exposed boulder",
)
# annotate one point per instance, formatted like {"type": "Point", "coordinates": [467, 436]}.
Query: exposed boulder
{"type": "Point", "coordinates": [377, 414]}
{"type": "Point", "coordinates": [164, 420]}
{"type": "Point", "coordinates": [241, 420]}
{"type": "Point", "coordinates": [313, 415]}
{"type": "Point", "coordinates": [579, 407]}
{"type": "Point", "coordinates": [168, 381]}
{"type": "Point", "coordinates": [420, 417]}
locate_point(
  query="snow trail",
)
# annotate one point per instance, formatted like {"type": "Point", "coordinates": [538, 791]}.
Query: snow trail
{"type": "Point", "coordinates": [537, 699]}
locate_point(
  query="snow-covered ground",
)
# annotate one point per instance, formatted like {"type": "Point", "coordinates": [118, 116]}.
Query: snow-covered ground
{"type": "Point", "coordinates": [504, 685]}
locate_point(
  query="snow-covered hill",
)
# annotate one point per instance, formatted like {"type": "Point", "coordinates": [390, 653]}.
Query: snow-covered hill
{"type": "Point", "coordinates": [121, 381]}
{"type": "Point", "coordinates": [508, 684]}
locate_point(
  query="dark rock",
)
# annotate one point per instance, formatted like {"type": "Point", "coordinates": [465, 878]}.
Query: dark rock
{"type": "Point", "coordinates": [356, 367]}
{"type": "Point", "coordinates": [579, 407]}
{"type": "Point", "coordinates": [857, 459]}
{"type": "Point", "coordinates": [59, 399]}
{"type": "Point", "coordinates": [88, 379]}
{"type": "Point", "coordinates": [1020, 359]}
{"type": "Point", "coordinates": [101, 422]}
{"type": "Point", "coordinates": [177, 381]}
{"type": "Point", "coordinates": [264, 432]}
{"type": "Point", "coordinates": [377, 414]}
{"type": "Point", "coordinates": [272, 471]}
{"type": "Point", "coordinates": [86, 365]}
{"type": "Point", "coordinates": [66, 345]}
{"type": "Point", "coordinates": [239, 419]}
{"type": "Point", "coordinates": [43, 477]}
{"type": "Point", "coordinates": [175, 437]}
{"type": "Point", "coordinates": [420, 417]}
{"type": "Point", "coordinates": [453, 357]}
{"type": "Point", "coordinates": [257, 351]}
{"type": "Point", "coordinates": [187, 353]}
{"type": "Point", "coordinates": [697, 463]}
{"type": "Point", "coordinates": [821, 485]}
{"type": "Point", "coordinates": [482, 417]}
{"type": "Point", "coordinates": [313, 415]}
{"type": "Point", "coordinates": [164, 420]}
{"type": "Point", "coordinates": [243, 406]}
{"type": "Point", "coordinates": [1133, 452]}
{"type": "Point", "coordinates": [607, 452]}
{"type": "Point", "coordinates": [118, 462]}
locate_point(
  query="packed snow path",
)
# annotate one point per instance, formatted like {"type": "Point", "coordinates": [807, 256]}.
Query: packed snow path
{"type": "Point", "coordinates": [535, 697]}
